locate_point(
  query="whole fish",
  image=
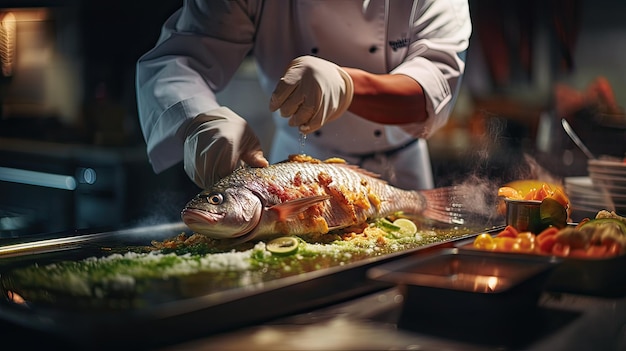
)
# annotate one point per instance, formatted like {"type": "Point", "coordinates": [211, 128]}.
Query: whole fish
{"type": "Point", "coordinates": [302, 196]}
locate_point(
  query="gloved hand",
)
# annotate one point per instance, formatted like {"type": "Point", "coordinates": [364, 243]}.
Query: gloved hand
{"type": "Point", "coordinates": [216, 143]}
{"type": "Point", "coordinates": [312, 92]}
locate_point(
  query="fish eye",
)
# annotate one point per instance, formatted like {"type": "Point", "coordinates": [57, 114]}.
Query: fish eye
{"type": "Point", "coordinates": [215, 198]}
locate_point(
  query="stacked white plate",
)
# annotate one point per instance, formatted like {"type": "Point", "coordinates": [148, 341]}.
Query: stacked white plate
{"type": "Point", "coordinates": [586, 198]}
{"type": "Point", "coordinates": [610, 176]}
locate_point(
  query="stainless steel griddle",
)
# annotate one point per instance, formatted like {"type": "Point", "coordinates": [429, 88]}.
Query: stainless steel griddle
{"type": "Point", "coordinates": [175, 309]}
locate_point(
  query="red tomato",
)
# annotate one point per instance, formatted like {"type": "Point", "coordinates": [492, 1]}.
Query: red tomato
{"type": "Point", "coordinates": [597, 251]}
{"type": "Point", "coordinates": [546, 243]}
{"type": "Point", "coordinates": [508, 232]}
{"type": "Point", "coordinates": [546, 233]}
{"type": "Point", "coordinates": [578, 253]}
{"type": "Point", "coordinates": [560, 249]}
{"type": "Point", "coordinates": [614, 249]}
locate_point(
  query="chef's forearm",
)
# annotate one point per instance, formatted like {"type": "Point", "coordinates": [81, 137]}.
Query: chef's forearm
{"type": "Point", "coordinates": [387, 98]}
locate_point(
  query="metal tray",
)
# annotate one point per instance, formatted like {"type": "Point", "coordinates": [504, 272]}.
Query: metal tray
{"type": "Point", "coordinates": [174, 309]}
{"type": "Point", "coordinates": [602, 277]}
{"type": "Point", "coordinates": [454, 291]}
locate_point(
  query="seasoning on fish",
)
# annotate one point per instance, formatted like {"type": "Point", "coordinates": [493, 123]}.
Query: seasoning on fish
{"type": "Point", "coordinates": [304, 195]}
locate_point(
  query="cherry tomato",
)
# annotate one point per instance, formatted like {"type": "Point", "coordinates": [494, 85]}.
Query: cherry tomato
{"type": "Point", "coordinates": [614, 249]}
{"type": "Point", "coordinates": [484, 241]}
{"type": "Point", "coordinates": [597, 250]}
{"type": "Point", "coordinates": [560, 249]}
{"type": "Point", "coordinates": [525, 242]}
{"type": "Point", "coordinates": [578, 253]}
{"type": "Point", "coordinates": [504, 243]}
{"type": "Point", "coordinates": [546, 243]}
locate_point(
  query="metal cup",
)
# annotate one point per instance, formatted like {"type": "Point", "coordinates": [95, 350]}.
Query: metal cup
{"type": "Point", "coordinates": [524, 215]}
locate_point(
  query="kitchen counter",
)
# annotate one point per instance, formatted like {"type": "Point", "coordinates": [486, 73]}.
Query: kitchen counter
{"type": "Point", "coordinates": [571, 322]}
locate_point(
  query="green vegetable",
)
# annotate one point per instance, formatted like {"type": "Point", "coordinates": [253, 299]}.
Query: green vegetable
{"type": "Point", "coordinates": [387, 225]}
{"type": "Point", "coordinates": [286, 245]}
{"type": "Point", "coordinates": [552, 213]}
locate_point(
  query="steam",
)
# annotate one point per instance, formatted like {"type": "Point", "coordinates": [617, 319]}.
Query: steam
{"type": "Point", "coordinates": [493, 163]}
{"type": "Point", "coordinates": [162, 208]}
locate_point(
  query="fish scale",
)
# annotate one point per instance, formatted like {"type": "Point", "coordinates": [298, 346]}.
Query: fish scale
{"type": "Point", "coordinates": [304, 196]}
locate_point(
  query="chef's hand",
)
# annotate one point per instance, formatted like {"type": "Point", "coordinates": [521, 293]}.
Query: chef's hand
{"type": "Point", "coordinates": [312, 92]}
{"type": "Point", "coordinates": [216, 143]}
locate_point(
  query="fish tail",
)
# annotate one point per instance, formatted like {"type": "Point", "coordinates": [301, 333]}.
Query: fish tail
{"type": "Point", "coordinates": [445, 204]}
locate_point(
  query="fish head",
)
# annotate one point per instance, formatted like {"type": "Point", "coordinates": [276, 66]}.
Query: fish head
{"type": "Point", "coordinates": [223, 214]}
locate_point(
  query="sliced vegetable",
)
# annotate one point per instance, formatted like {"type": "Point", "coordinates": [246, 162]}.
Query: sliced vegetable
{"type": "Point", "coordinates": [552, 213]}
{"type": "Point", "coordinates": [283, 246]}
{"type": "Point", "coordinates": [509, 231]}
{"type": "Point", "coordinates": [406, 226]}
{"type": "Point", "coordinates": [387, 225]}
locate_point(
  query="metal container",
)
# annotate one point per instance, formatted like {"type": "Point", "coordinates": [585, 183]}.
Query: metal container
{"type": "Point", "coordinates": [524, 215]}
{"type": "Point", "coordinates": [459, 292]}
{"type": "Point", "coordinates": [603, 277]}
{"type": "Point", "coordinates": [173, 309]}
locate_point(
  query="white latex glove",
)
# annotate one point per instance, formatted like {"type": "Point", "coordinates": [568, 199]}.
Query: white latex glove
{"type": "Point", "coordinates": [312, 92]}
{"type": "Point", "coordinates": [216, 143]}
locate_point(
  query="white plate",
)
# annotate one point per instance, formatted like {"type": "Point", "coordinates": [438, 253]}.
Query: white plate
{"type": "Point", "coordinates": [608, 182]}
{"type": "Point", "coordinates": [579, 182]}
{"type": "Point", "coordinates": [604, 163]}
{"type": "Point", "coordinates": [607, 171]}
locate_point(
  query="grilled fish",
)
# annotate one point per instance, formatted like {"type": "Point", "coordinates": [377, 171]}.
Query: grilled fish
{"type": "Point", "coordinates": [304, 195]}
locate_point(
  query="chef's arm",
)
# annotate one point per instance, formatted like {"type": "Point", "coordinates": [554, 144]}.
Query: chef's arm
{"type": "Point", "coordinates": [387, 98]}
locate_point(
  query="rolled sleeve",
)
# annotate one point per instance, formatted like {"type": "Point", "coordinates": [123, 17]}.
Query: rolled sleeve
{"type": "Point", "coordinates": [441, 32]}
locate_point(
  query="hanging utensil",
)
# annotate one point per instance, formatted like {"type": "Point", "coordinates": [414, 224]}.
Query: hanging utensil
{"type": "Point", "coordinates": [576, 139]}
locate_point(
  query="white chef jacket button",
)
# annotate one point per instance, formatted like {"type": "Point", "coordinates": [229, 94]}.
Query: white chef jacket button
{"type": "Point", "coordinates": [373, 49]}
{"type": "Point", "coordinates": [378, 133]}
{"type": "Point", "coordinates": [314, 50]}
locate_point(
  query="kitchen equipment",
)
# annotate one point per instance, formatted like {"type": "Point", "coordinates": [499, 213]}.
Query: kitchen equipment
{"type": "Point", "coordinates": [609, 174]}
{"type": "Point", "coordinates": [466, 291]}
{"type": "Point", "coordinates": [592, 276]}
{"type": "Point", "coordinates": [586, 198]}
{"type": "Point", "coordinates": [524, 215]}
{"type": "Point", "coordinates": [570, 132]}
{"type": "Point", "coordinates": [171, 309]}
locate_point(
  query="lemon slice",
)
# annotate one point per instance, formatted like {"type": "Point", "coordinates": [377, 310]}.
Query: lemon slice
{"type": "Point", "coordinates": [285, 245]}
{"type": "Point", "coordinates": [406, 226]}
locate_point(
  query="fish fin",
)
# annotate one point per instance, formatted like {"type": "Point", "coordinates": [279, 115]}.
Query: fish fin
{"type": "Point", "coordinates": [293, 207]}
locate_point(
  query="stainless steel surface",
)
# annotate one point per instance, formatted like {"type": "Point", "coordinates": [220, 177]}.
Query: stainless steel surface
{"type": "Point", "coordinates": [568, 322]}
{"type": "Point", "coordinates": [524, 215]}
{"type": "Point", "coordinates": [170, 303]}
{"type": "Point", "coordinates": [601, 277]}
{"type": "Point", "coordinates": [570, 132]}
{"type": "Point", "coordinates": [447, 291]}
{"type": "Point", "coordinates": [464, 271]}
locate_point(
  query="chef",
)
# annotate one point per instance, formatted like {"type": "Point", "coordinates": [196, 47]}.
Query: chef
{"type": "Point", "coordinates": [366, 81]}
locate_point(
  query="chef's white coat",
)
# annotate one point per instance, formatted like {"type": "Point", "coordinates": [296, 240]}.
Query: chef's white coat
{"type": "Point", "coordinates": [202, 45]}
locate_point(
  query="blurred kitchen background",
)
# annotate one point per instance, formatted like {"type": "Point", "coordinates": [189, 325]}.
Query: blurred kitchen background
{"type": "Point", "coordinates": [72, 155]}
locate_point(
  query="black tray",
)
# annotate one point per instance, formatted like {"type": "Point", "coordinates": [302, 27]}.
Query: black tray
{"type": "Point", "coordinates": [174, 309]}
{"type": "Point", "coordinates": [601, 277]}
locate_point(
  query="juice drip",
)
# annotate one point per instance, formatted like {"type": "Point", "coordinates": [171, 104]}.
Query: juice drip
{"type": "Point", "coordinates": [302, 140]}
